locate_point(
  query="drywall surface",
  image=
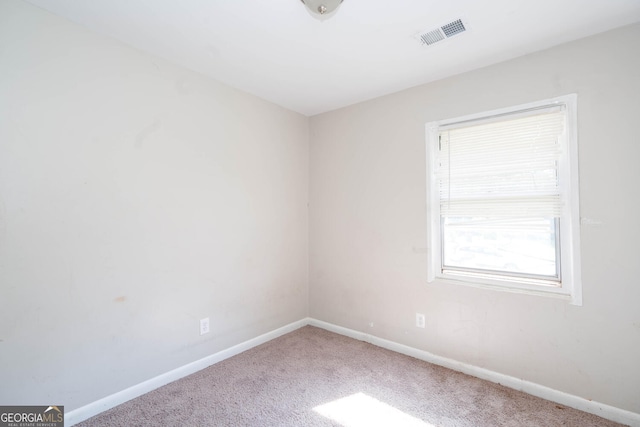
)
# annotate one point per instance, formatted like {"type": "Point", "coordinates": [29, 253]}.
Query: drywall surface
{"type": "Point", "coordinates": [368, 225]}
{"type": "Point", "coordinates": [136, 198]}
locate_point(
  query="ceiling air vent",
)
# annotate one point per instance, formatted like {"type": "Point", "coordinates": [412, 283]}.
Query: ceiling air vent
{"type": "Point", "coordinates": [430, 37]}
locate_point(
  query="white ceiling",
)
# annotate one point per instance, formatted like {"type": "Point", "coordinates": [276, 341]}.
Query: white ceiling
{"type": "Point", "coordinates": [276, 50]}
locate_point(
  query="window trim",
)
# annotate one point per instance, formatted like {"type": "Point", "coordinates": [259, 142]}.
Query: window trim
{"type": "Point", "coordinates": [570, 288]}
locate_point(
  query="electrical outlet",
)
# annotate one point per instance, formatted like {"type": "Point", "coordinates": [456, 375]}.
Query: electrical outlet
{"type": "Point", "coordinates": [204, 326]}
{"type": "Point", "coordinates": [420, 322]}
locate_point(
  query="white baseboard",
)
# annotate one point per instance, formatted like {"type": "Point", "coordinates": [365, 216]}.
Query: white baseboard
{"type": "Point", "coordinates": [94, 408]}
{"type": "Point", "coordinates": [605, 411]}
{"type": "Point", "coordinates": [602, 410]}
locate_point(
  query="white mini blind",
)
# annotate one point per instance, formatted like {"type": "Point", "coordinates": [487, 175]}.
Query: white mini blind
{"type": "Point", "coordinates": [505, 167]}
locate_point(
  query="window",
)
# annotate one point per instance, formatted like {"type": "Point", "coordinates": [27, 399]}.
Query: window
{"type": "Point", "coordinates": [503, 199]}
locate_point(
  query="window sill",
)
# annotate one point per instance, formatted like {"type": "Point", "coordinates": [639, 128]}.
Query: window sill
{"type": "Point", "coordinates": [511, 286]}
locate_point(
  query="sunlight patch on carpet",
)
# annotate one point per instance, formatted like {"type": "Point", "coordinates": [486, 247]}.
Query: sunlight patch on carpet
{"type": "Point", "coordinates": [360, 410]}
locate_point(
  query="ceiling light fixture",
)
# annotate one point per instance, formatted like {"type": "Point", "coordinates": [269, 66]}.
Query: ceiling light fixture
{"type": "Point", "coordinates": [322, 9]}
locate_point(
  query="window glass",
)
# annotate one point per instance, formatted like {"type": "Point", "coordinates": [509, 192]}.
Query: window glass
{"type": "Point", "coordinates": [526, 247]}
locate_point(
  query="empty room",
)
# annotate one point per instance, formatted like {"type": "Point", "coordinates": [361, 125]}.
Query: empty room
{"type": "Point", "coordinates": [319, 213]}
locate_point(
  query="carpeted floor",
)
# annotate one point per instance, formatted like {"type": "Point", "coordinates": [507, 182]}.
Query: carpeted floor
{"type": "Point", "coordinates": [312, 377]}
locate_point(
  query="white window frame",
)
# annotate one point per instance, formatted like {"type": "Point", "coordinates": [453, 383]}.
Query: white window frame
{"type": "Point", "coordinates": [570, 286]}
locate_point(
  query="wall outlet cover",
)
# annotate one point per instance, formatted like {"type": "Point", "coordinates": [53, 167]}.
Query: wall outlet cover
{"type": "Point", "coordinates": [420, 320]}
{"type": "Point", "coordinates": [204, 326]}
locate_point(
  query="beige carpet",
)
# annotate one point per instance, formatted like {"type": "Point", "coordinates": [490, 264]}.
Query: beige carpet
{"type": "Point", "coordinates": [312, 377]}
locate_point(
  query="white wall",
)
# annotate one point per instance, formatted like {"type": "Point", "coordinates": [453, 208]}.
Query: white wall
{"type": "Point", "coordinates": [368, 225]}
{"type": "Point", "coordinates": [136, 197]}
